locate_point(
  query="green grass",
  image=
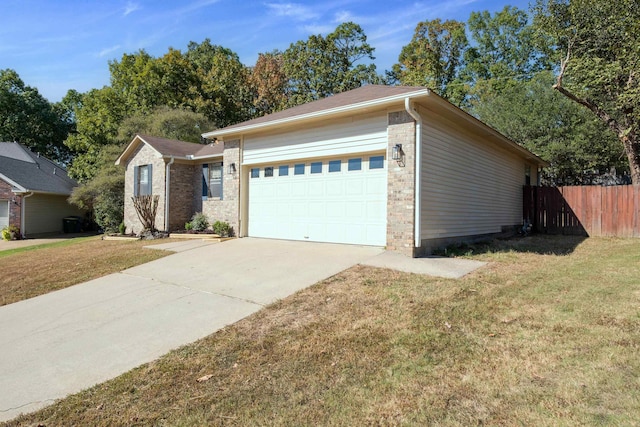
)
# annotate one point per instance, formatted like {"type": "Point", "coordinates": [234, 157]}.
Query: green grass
{"type": "Point", "coordinates": [547, 334]}
{"type": "Point", "coordinates": [59, 244]}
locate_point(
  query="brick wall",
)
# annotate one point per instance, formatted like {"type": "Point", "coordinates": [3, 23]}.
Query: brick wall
{"type": "Point", "coordinates": [181, 195]}
{"type": "Point", "coordinates": [228, 208]}
{"type": "Point", "coordinates": [143, 156]}
{"type": "Point", "coordinates": [14, 208]}
{"type": "Point", "coordinates": [401, 184]}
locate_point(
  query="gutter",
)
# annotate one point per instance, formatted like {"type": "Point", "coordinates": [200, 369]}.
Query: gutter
{"type": "Point", "coordinates": [417, 241]}
{"type": "Point", "coordinates": [167, 189]}
{"type": "Point", "coordinates": [23, 211]}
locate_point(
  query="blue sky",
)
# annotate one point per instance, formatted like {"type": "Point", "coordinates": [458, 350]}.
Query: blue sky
{"type": "Point", "coordinates": [57, 45]}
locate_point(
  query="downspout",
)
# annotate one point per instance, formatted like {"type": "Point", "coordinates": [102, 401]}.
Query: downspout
{"type": "Point", "coordinates": [167, 189]}
{"type": "Point", "coordinates": [23, 213]}
{"type": "Point", "coordinates": [417, 173]}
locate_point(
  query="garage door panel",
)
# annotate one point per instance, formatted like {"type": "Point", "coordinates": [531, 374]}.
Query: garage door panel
{"type": "Point", "coordinates": [341, 207]}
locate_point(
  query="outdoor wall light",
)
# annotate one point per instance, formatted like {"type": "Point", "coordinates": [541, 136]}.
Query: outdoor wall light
{"type": "Point", "coordinates": [396, 152]}
{"type": "Point", "coordinates": [232, 168]}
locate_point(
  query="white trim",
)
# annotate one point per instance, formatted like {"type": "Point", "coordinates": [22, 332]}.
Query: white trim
{"type": "Point", "coordinates": [23, 213]}
{"type": "Point", "coordinates": [316, 114]}
{"type": "Point", "coordinates": [13, 183]}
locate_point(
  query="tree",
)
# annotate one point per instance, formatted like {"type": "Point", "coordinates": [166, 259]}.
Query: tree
{"type": "Point", "coordinates": [165, 122]}
{"type": "Point", "coordinates": [323, 66]}
{"type": "Point", "coordinates": [434, 58]}
{"type": "Point", "coordinates": [506, 48]}
{"type": "Point", "coordinates": [578, 147]}
{"type": "Point", "coordinates": [599, 53]}
{"type": "Point", "coordinates": [27, 117]}
{"type": "Point", "coordinates": [268, 81]}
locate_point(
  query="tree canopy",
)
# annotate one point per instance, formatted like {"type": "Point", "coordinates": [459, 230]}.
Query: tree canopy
{"type": "Point", "coordinates": [27, 117]}
{"type": "Point", "coordinates": [598, 52]}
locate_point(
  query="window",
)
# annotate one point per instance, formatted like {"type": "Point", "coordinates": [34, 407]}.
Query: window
{"type": "Point", "coordinates": [376, 162]}
{"type": "Point", "coordinates": [143, 182]}
{"type": "Point", "coordinates": [283, 170]}
{"type": "Point", "coordinates": [334, 165]}
{"type": "Point", "coordinates": [268, 171]}
{"type": "Point", "coordinates": [355, 164]}
{"type": "Point", "coordinates": [255, 172]}
{"type": "Point", "coordinates": [298, 169]}
{"type": "Point", "coordinates": [212, 181]}
{"type": "Point", "coordinates": [316, 167]}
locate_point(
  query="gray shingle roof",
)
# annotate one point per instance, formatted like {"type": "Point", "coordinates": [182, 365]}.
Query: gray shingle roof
{"type": "Point", "coordinates": [174, 147]}
{"type": "Point", "coordinates": [32, 172]}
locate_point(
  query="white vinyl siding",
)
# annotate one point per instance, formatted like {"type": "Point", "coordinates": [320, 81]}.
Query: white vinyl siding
{"type": "Point", "coordinates": [469, 186]}
{"type": "Point", "coordinates": [334, 138]}
{"type": "Point", "coordinates": [44, 213]}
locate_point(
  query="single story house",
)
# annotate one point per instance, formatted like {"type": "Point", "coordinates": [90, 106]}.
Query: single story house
{"type": "Point", "coordinates": [33, 191]}
{"type": "Point", "coordinates": [389, 166]}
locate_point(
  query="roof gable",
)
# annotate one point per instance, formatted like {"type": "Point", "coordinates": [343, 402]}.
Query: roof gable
{"type": "Point", "coordinates": [27, 171]}
{"type": "Point", "coordinates": [171, 148]}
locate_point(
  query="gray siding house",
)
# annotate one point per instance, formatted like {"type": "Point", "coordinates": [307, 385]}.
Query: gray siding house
{"type": "Point", "coordinates": [391, 166]}
{"type": "Point", "coordinates": [33, 191]}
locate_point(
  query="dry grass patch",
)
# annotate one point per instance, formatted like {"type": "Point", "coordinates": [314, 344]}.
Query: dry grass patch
{"type": "Point", "coordinates": [30, 272]}
{"type": "Point", "coordinates": [539, 337]}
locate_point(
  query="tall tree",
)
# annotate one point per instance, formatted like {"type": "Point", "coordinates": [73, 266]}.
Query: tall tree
{"type": "Point", "coordinates": [578, 147]}
{"type": "Point", "coordinates": [323, 66]}
{"type": "Point", "coordinates": [269, 83]}
{"type": "Point", "coordinates": [434, 58]}
{"type": "Point", "coordinates": [599, 46]}
{"type": "Point", "coordinates": [27, 117]}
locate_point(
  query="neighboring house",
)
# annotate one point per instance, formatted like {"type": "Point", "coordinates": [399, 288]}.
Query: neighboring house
{"type": "Point", "coordinates": [345, 169]}
{"type": "Point", "coordinates": [33, 191]}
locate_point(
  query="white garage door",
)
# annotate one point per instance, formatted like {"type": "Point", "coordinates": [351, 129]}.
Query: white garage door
{"type": "Point", "coordinates": [337, 200]}
{"type": "Point", "coordinates": [4, 213]}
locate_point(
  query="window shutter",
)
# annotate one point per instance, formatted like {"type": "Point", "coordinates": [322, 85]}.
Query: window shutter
{"type": "Point", "coordinates": [150, 181]}
{"type": "Point", "coordinates": [136, 180]}
{"type": "Point", "coordinates": [205, 181]}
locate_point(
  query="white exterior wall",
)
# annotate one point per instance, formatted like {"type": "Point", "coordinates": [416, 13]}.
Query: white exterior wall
{"type": "Point", "coordinates": [468, 186]}
{"type": "Point", "coordinates": [329, 138]}
{"type": "Point", "coordinates": [45, 212]}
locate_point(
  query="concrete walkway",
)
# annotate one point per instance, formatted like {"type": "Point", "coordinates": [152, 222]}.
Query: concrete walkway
{"type": "Point", "coordinates": [68, 340]}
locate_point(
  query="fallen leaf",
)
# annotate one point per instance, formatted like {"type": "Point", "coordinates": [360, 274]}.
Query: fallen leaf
{"type": "Point", "coordinates": [448, 325]}
{"type": "Point", "coordinates": [204, 378]}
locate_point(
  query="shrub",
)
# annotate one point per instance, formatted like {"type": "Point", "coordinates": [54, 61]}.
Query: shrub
{"type": "Point", "coordinates": [222, 229]}
{"type": "Point", "coordinates": [188, 226]}
{"type": "Point", "coordinates": [11, 232]}
{"type": "Point", "coordinates": [122, 229]}
{"type": "Point", "coordinates": [199, 222]}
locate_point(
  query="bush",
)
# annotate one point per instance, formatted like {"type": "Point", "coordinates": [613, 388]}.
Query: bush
{"type": "Point", "coordinates": [188, 226]}
{"type": "Point", "coordinates": [11, 232]}
{"type": "Point", "coordinates": [222, 229]}
{"type": "Point", "coordinates": [199, 222]}
{"type": "Point", "coordinates": [122, 229]}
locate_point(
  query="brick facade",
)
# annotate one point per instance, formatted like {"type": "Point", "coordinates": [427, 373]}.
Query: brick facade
{"type": "Point", "coordinates": [14, 202]}
{"type": "Point", "coordinates": [401, 184]}
{"type": "Point", "coordinates": [227, 209]}
{"type": "Point", "coordinates": [144, 155]}
{"type": "Point", "coordinates": [181, 195]}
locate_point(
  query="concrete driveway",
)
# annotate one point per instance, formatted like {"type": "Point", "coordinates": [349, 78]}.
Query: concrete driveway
{"type": "Point", "coordinates": [66, 341]}
{"type": "Point", "coordinates": [69, 340]}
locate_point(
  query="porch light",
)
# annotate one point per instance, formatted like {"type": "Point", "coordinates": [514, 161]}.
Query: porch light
{"type": "Point", "coordinates": [396, 152]}
{"type": "Point", "coordinates": [232, 168]}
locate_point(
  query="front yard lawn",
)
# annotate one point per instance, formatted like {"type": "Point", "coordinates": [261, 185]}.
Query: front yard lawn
{"type": "Point", "coordinates": [33, 271]}
{"type": "Point", "coordinates": [547, 334]}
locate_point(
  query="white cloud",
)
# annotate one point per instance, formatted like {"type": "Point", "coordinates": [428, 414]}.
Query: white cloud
{"type": "Point", "coordinates": [130, 8]}
{"type": "Point", "coordinates": [293, 10]}
{"type": "Point", "coordinates": [108, 50]}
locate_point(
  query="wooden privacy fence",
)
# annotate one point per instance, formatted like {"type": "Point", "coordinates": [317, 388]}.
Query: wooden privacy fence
{"type": "Point", "coordinates": [584, 210]}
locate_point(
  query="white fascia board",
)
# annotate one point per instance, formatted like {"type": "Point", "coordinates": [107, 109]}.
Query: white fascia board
{"type": "Point", "coordinates": [319, 114]}
{"type": "Point", "coordinates": [11, 182]}
{"type": "Point", "coordinates": [129, 149]}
